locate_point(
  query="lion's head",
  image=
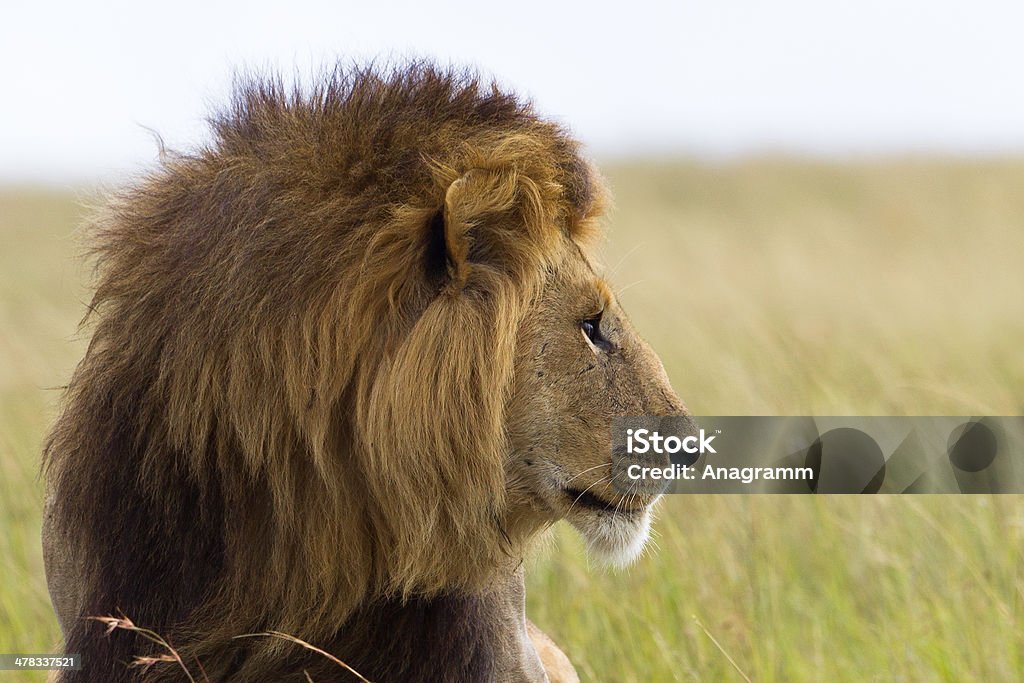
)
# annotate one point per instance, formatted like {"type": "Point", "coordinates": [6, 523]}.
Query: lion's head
{"type": "Point", "coordinates": [525, 358]}
{"type": "Point", "coordinates": [352, 350]}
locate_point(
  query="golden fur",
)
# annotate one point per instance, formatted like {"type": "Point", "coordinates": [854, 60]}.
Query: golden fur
{"type": "Point", "coordinates": [309, 341]}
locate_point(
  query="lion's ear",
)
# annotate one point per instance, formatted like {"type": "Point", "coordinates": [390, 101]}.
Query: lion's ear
{"type": "Point", "coordinates": [455, 227]}
{"type": "Point", "coordinates": [467, 201]}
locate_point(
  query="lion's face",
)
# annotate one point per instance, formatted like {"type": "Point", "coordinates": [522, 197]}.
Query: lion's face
{"type": "Point", "coordinates": [580, 364]}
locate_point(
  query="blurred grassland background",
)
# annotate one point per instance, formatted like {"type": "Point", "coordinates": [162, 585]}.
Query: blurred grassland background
{"type": "Point", "coordinates": [770, 286]}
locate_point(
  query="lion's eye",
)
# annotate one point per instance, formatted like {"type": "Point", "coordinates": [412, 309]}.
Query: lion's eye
{"type": "Point", "coordinates": [592, 329]}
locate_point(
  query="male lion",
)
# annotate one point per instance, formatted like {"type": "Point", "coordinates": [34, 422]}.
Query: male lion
{"type": "Point", "coordinates": [349, 360]}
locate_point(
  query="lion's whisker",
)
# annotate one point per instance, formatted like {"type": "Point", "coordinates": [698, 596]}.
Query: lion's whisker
{"type": "Point", "coordinates": [589, 469]}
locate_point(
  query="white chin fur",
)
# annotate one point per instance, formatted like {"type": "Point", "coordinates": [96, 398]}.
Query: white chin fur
{"type": "Point", "coordinates": [615, 540]}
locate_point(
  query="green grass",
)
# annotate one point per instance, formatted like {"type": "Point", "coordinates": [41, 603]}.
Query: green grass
{"type": "Point", "coordinates": [768, 287]}
{"type": "Point", "coordinates": [41, 290]}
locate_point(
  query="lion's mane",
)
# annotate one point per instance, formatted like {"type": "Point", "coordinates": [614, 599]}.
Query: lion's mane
{"type": "Point", "coordinates": [292, 402]}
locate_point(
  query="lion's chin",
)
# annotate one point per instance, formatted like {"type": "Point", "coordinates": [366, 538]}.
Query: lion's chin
{"type": "Point", "coordinates": [614, 540]}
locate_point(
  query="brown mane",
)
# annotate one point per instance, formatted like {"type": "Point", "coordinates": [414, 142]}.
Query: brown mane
{"type": "Point", "coordinates": [291, 408]}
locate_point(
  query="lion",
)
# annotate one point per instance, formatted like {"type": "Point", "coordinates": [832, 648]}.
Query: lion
{"type": "Point", "coordinates": [348, 362]}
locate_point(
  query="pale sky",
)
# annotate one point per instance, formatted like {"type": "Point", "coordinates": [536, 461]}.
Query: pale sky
{"type": "Point", "coordinates": [710, 78]}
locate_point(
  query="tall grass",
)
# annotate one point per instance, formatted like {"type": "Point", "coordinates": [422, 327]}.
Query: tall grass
{"type": "Point", "coordinates": [768, 287]}
{"type": "Point", "coordinates": [41, 290]}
